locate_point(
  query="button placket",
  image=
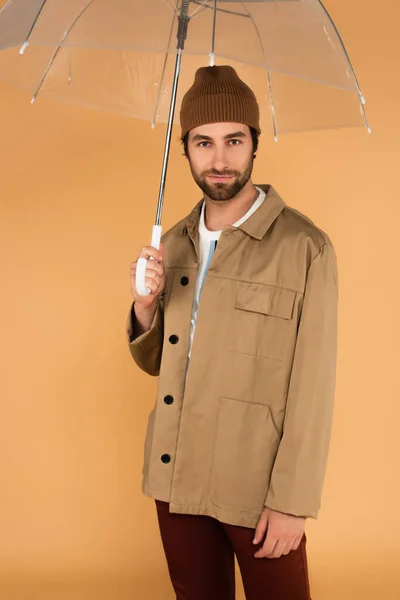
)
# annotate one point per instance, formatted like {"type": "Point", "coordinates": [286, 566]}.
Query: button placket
{"type": "Point", "coordinates": [168, 399]}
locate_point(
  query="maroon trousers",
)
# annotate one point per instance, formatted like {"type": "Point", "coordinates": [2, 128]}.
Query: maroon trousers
{"type": "Point", "coordinates": [200, 555]}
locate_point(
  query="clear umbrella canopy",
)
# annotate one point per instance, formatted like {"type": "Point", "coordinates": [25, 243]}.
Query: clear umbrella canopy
{"type": "Point", "coordinates": [120, 56]}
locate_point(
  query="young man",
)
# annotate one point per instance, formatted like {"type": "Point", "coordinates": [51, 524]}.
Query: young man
{"type": "Point", "coordinates": [241, 328]}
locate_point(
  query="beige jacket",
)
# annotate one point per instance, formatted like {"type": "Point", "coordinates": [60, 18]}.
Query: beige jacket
{"type": "Point", "coordinates": [252, 426]}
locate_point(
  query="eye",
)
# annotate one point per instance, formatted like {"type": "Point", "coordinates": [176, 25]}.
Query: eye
{"type": "Point", "coordinates": [234, 142]}
{"type": "Point", "coordinates": [203, 146]}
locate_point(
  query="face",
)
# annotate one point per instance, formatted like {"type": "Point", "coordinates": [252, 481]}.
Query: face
{"type": "Point", "coordinates": [221, 158]}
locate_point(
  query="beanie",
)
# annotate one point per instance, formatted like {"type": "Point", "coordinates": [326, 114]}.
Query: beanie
{"type": "Point", "coordinates": [218, 95]}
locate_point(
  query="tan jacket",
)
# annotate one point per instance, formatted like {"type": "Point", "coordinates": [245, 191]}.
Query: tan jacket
{"type": "Point", "coordinates": [252, 426]}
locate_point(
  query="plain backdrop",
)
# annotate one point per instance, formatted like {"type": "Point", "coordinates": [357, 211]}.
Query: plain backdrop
{"type": "Point", "coordinates": [78, 191]}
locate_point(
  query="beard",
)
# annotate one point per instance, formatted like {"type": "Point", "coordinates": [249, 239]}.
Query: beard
{"type": "Point", "coordinates": [222, 191]}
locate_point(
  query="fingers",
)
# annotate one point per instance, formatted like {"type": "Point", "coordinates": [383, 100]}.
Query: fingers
{"type": "Point", "coordinates": [155, 273]}
{"type": "Point", "coordinates": [153, 284]}
{"type": "Point", "coordinates": [261, 529]}
{"type": "Point", "coordinates": [282, 547]}
{"type": "Point", "coordinates": [151, 267]}
{"type": "Point", "coordinates": [151, 252]}
{"type": "Point", "coordinates": [154, 276]}
{"type": "Point", "coordinates": [297, 542]}
{"type": "Point", "coordinates": [268, 546]}
{"type": "Point", "coordinates": [153, 279]}
{"type": "Point", "coordinates": [275, 547]}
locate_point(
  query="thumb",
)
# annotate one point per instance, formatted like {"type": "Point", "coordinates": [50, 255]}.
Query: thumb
{"type": "Point", "coordinates": [261, 528]}
{"type": "Point", "coordinates": [161, 249]}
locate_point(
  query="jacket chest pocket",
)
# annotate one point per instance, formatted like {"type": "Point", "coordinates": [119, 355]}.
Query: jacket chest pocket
{"type": "Point", "coordinates": [262, 320]}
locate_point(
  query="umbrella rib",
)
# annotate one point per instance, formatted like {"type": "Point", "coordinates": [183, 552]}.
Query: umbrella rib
{"type": "Point", "coordinates": [55, 54]}
{"type": "Point", "coordinates": [362, 99]}
{"type": "Point", "coordinates": [173, 6]}
{"type": "Point", "coordinates": [205, 5]}
{"type": "Point", "coordinates": [271, 97]}
{"type": "Point", "coordinates": [162, 74]}
{"type": "Point", "coordinates": [201, 6]}
{"type": "Point", "coordinates": [5, 6]}
{"type": "Point", "coordinates": [26, 42]}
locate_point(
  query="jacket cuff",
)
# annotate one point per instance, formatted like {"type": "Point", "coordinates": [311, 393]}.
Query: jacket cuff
{"type": "Point", "coordinates": [146, 348]}
{"type": "Point", "coordinates": [288, 509]}
{"type": "Point", "coordinates": [141, 339]}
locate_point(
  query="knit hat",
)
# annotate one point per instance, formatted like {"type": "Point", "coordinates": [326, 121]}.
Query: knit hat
{"type": "Point", "coordinates": [218, 95]}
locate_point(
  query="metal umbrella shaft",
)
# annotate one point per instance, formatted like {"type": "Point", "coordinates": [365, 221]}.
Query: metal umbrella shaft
{"type": "Point", "coordinates": [183, 22]}
{"type": "Point", "coordinates": [168, 137]}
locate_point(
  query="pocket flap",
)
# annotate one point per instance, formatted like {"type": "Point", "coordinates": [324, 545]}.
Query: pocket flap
{"type": "Point", "coordinates": [269, 300]}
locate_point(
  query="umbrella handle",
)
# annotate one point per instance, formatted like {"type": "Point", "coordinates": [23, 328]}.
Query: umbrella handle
{"type": "Point", "coordinates": [142, 263]}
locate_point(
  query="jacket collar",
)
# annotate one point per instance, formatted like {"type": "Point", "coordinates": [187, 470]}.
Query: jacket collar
{"type": "Point", "coordinates": [256, 225]}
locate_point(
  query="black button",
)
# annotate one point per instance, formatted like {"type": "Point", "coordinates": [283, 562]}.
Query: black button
{"type": "Point", "coordinates": [173, 339]}
{"type": "Point", "coordinates": [168, 399]}
{"type": "Point", "coordinates": [184, 280]}
{"type": "Point", "coordinates": [165, 458]}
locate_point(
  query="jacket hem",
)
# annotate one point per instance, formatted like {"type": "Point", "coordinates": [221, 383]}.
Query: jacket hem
{"type": "Point", "coordinates": [240, 517]}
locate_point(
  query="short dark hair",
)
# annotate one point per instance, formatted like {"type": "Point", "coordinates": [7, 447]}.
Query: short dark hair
{"type": "Point", "coordinates": [254, 137]}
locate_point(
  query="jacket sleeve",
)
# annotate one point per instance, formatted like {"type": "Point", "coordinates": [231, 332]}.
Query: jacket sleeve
{"type": "Point", "coordinates": [146, 349]}
{"type": "Point", "coordinates": [299, 469]}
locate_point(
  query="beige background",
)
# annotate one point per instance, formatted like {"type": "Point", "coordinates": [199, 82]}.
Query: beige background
{"type": "Point", "coordinates": [78, 192]}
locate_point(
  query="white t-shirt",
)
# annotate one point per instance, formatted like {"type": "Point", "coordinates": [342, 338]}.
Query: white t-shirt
{"type": "Point", "coordinates": [207, 242]}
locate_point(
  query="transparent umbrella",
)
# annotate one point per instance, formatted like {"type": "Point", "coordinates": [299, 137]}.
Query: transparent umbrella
{"type": "Point", "coordinates": [125, 56]}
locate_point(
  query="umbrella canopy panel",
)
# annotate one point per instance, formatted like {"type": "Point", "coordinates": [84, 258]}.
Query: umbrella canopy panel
{"type": "Point", "coordinates": [120, 56]}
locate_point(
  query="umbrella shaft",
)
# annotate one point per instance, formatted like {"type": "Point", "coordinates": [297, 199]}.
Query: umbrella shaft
{"type": "Point", "coordinates": [183, 22]}
{"type": "Point", "coordinates": [168, 138]}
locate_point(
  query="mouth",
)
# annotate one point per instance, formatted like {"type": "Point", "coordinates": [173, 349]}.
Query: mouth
{"type": "Point", "coordinates": [220, 178]}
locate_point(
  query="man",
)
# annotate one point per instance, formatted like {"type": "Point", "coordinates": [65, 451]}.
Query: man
{"type": "Point", "coordinates": [241, 327]}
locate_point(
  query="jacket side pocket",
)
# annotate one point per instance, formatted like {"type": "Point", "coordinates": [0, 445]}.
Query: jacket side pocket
{"type": "Point", "coordinates": [246, 443]}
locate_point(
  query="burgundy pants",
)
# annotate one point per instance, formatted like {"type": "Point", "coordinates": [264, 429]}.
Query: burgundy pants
{"type": "Point", "coordinates": [200, 556]}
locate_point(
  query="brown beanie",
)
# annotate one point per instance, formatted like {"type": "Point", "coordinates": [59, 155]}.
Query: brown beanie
{"type": "Point", "coordinates": [218, 95]}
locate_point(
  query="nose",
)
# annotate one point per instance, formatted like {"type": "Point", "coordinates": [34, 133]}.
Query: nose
{"type": "Point", "coordinates": [219, 159]}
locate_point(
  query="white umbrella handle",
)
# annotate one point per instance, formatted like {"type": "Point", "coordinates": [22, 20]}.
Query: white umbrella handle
{"type": "Point", "coordinates": [142, 263]}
